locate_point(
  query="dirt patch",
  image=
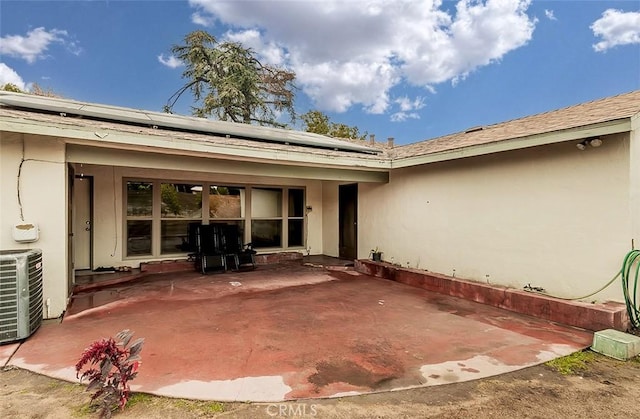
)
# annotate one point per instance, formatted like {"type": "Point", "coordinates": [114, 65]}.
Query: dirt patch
{"type": "Point", "coordinates": [605, 389]}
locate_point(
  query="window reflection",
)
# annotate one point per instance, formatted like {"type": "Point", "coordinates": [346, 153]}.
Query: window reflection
{"type": "Point", "coordinates": [139, 199]}
{"type": "Point", "coordinates": [266, 233]}
{"type": "Point", "coordinates": [226, 202]}
{"type": "Point", "coordinates": [296, 203]}
{"type": "Point", "coordinates": [181, 200]}
{"type": "Point", "coordinates": [138, 238]}
{"type": "Point", "coordinates": [276, 219]}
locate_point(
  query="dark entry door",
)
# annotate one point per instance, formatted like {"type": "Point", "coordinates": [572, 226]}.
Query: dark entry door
{"type": "Point", "coordinates": [348, 220]}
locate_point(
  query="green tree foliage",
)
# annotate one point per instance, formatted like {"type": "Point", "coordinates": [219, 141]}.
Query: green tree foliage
{"type": "Point", "coordinates": [319, 123]}
{"type": "Point", "coordinates": [346, 131]}
{"type": "Point", "coordinates": [316, 122]}
{"type": "Point", "coordinates": [10, 87]}
{"type": "Point", "coordinates": [170, 201]}
{"type": "Point", "coordinates": [228, 81]}
{"type": "Point", "coordinates": [35, 90]}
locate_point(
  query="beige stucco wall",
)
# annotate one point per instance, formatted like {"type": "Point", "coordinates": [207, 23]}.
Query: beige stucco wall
{"type": "Point", "coordinates": [330, 218]}
{"type": "Point", "coordinates": [108, 205]}
{"type": "Point", "coordinates": [43, 195]}
{"type": "Point", "coordinates": [551, 216]}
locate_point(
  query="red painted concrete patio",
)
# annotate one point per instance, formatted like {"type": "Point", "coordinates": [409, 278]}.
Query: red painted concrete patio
{"type": "Point", "coordinates": [291, 331]}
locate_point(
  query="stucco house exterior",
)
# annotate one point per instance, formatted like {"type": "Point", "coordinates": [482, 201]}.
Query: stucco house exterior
{"type": "Point", "coordinates": [515, 203]}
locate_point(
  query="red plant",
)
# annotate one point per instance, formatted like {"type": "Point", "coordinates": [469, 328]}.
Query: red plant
{"type": "Point", "coordinates": [112, 365]}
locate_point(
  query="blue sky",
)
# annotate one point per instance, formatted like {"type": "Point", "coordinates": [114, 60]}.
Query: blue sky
{"type": "Point", "coordinates": [406, 69]}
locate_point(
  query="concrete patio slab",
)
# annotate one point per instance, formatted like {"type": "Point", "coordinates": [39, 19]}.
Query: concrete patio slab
{"type": "Point", "coordinates": [295, 332]}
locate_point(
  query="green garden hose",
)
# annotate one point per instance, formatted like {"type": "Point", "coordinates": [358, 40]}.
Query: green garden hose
{"type": "Point", "coordinates": [631, 269]}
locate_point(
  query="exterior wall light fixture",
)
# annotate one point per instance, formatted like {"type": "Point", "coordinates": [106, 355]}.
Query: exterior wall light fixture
{"type": "Point", "coordinates": [593, 142]}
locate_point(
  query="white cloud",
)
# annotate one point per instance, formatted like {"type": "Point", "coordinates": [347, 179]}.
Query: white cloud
{"type": "Point", "coordinates": [549, 14]}
{"type": "Point", "coordinates": [407, 108]}
{"type": "Point", "coordinates": [203, 20]}
{"type": "Point", "coordinates": [616, 27]}
{"type": "Point", "coordinates": [33, 46]}
{"type": "Point", "coordinates": [352, 53]}
{"type": "Point", "coordinates": [171, 61]}
{"type": "Point", "coordinates": [403, 116]}
{"type": "Point", "coordinates": [9, 75]}
{"type": "Point", "coordinates": [407, 104]}
{"type": "Point", "coordinates": [73, 47]}
{"type": "Point", "coordinates": [339, 85]}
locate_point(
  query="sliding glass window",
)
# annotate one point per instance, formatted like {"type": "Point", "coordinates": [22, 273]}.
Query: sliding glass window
{"type": "Point", "coordinates": [295, 220]}
{"type": "Point", "coordinates": [227, 206]}
{"type": "Point", "coordinates": [266, 217]}
{"type": "Point", "coordinates": [139, 218]}
{"type": "Point", "coordinates": [180, 205]}
{"type": "Point", "coordinates": [159, 215]}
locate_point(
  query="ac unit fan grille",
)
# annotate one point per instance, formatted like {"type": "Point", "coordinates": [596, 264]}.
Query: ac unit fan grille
{"type": "Point", "coordinates": [20, 293]}
{"type": "Point", "coordinates": [8, 300]}
{"type": "Point", "coordinates": [35, 292]}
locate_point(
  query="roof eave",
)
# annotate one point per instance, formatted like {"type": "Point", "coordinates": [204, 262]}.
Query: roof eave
{"type": "Point", "coordinates": [116, 114]}
{"type": "Point", "coordinates": [169, 144]}
{"type": "Point", "coordinates": [572, 134]}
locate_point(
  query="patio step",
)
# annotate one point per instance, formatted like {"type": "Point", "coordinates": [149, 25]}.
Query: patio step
{"type": "Point", "coordinates": [179, 265]}
{"type": "Point", "coordinates": [105, 280]}
{"type": "Point", "coordinates": [97, 281]}
{"type": "Point", "coordinates": [272, 258]}
{"type": "Point", "coordinates": [608, 315]}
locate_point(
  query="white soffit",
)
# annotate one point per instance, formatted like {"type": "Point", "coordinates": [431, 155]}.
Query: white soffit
{"type": "Point", "coordinates": [178, 122]}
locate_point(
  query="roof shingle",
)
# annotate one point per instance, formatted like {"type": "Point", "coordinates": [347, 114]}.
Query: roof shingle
{"type": "Point", "coordinates": [594, 112]}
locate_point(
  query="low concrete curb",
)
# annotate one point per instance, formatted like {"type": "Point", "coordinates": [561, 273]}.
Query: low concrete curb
{"type": "Point", "coordinates": [609, 315]}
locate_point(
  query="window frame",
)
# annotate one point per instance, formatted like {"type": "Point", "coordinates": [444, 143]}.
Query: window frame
{"type": "Point", "coordinates": [127, 218]}
{"type": "Point", "coordinates": [157, 218]}
{"type": "Point", "coordinates": [184, 219]}
{"type": "Point", "coordinates": [280, 218]}
{"type": "Point", "coordinates": [301, 218]}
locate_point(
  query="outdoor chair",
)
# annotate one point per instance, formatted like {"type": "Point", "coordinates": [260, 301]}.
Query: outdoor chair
{"type": "Point", "coordinates": [190, 242]}
{"type": "Point", "coordinates": [209, 256]}
{"type": "Point", "coordinates": [238, 254]}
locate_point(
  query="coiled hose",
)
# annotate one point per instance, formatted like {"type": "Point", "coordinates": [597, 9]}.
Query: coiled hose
{"type": "Point", "coordinates": [630, 273]}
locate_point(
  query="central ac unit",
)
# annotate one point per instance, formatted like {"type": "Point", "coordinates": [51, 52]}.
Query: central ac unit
{"type": "Point", "coordinates": [20, 293]}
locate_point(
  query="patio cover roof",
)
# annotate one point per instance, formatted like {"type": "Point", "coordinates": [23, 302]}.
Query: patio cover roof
{"type": "Point", "coordinates": [166, 121]}
{"type": "Point", "coordinates": [94, 125]}
{"type": "Point", "coordinates": [85, 127]}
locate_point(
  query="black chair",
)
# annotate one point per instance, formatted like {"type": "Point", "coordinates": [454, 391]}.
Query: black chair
{"type": "Point", "coordinates": [238, 254]}
{"type": "Point", "coordinates": [210, 256]}
{"type": "Point", "coordinates": [190, 242]}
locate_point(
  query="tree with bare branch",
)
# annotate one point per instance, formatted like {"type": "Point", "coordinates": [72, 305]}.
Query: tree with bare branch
{"type": "Point", "coordinates": [229, 82]}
